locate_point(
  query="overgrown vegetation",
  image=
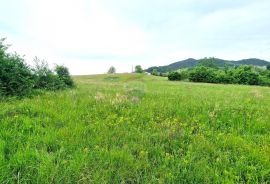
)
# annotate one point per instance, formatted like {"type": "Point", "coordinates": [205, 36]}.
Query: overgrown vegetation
{"type": "Point", "coordinates": [191, 63]}
{"type": "Point", "coordinates": [19, 79]}
{"type": "Point", "coordinates": [137, 129]}
{"type": "Point", "coordinates": [208, 72]}
{"type": "Point", "coordinates": [174, 76]}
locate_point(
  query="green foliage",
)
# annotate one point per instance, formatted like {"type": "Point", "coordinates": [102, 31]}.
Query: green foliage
{"type": "Point", "coordinates": [208, 62]}
{"type": "Point", "coordinates": [144, 129]}
{"type": "Point", "coordinates": [16, 77]}
{"type": "Point", "coordinates": [174, 76]}
{"type": "Point", "coordinates": [111, 70]}
{"type": "Point", "coordinates": [268, 67]}
{"type": "Point", "coordinates": [202, 74]}
{"type": "Point", "coordinates": [245, 75]}
{"type": "Point", "coordinates": [138, 69]}
{"type": "Point", "coordinates": [45, 77]}
{"type": "Point", "coordinates": [63, 74]}
{"type": "Point", "coordinates": [155, 72]}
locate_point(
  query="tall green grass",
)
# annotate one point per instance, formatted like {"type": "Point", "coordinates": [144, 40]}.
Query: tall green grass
{"type": "Point", "coordinates": [137, 129]}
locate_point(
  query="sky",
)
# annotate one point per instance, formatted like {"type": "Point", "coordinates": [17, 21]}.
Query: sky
{"type": "Point", "coordinates": [89, 36]}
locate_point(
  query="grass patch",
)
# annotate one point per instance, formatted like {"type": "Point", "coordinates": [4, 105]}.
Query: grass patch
{"type": "Point", "coordinates": [137, 129]}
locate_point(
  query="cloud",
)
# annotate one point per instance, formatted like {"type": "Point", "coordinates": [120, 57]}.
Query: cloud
{"type": "Point", "coordinates": [90, 35]}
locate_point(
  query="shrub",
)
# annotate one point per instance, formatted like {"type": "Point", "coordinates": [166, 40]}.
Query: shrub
{"type": "Point", "coordinates": [245, 75]}
{"type": "Point", "coordinates": [64, 75]}
{"type": "Point", "coordinates": [202, 74]}
{"type": "Point", "coordinates": [174, 76]}
{"type": "Point", "coordinates": [45, 78]}
{"type": "Point", "coordinates": [184, 74]}
{"type": "Point", "coordinates": [16, 78]}
{"type": "Point", "coordinates": [264, 81]}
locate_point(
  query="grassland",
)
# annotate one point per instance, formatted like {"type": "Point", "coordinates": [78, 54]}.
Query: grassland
{"type": "Point", "coordinates": [137, 129]}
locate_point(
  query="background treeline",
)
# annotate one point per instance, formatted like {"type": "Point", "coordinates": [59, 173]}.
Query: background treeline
{"type": "Point", "coordinates": [19, 79]}
{"type": "Point", "coordinates": [208, 72]}
{"type": "Point", "coordinates": [191, 63]}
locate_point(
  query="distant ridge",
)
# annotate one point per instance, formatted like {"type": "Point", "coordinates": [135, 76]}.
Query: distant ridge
{"type": "Point", "coordinates": [190, 63]}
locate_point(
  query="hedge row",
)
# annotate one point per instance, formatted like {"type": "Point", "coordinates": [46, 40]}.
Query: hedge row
{"type": "Point", "coordinates": [245, 74]}
{"type": "Point", "coordinates": [19, 79]}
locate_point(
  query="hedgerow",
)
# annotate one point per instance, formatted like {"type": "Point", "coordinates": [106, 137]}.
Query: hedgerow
{"type": "Point", "coordinates": [245, 74]}
{"type": "Point", "coordinates": [19, 79]}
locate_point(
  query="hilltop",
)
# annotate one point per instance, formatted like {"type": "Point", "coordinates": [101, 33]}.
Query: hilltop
{"type": "Point", "coordinates": [190, 63]}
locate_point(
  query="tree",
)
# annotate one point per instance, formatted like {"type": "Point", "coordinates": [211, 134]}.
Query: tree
{"type": "Point", "coordinates": [174, 76]}
{"type": "Point", "coordinates": [268, 67]}
{"type": "Point", "coordinates": [154, 72]}
{"type": "Point", "coordinates": [63, 74]}
{"type": "Point", "coordinates": [138, 69]}
{"type": "Point", "coordinates": [111, 70]}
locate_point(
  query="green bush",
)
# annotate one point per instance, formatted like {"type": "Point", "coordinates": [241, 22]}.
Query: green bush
{"type": "Point", "coordinates": [45, 78]}
{"type": "Point", "coordinates": [245, 75]}
{"type": "Point", "coordinates": [174, 76]}
{"type": "Point", "coordinates": [264, 81]}
{"type": "Point", "coordinates": [202, 74]}
{"type": "Point", "coordinates": [16, 78]}
{"type": "Point", "coordinates": [64, 75]}
{"type": "Point", "coordinates": [222, 77]}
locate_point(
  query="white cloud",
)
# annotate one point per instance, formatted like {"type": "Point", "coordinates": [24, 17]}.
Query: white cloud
{"type": "Point", "coordinates": [90, 35]}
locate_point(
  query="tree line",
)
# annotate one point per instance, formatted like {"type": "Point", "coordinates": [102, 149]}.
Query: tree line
{"type": "Point", "coordinates": [19, 79]}
{"type": "Point", "coordinates": [208, 72]}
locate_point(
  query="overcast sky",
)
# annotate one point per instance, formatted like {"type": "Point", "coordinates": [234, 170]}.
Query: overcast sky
{"type": "Point", "coordinates": [88, 36]}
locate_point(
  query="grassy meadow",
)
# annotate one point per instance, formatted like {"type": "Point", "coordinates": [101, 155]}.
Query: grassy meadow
{"type": "Point", "coordinates": [134, 128]}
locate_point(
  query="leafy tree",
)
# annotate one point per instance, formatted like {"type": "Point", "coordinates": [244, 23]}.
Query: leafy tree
{"type": "Point", "coordinates": [111, 70]}
{"type": "Point", "coordinates": [268, 67]}
{"type": "Point", "coordinates": [174, 76]}
{"type": "Point", "coordinates": [138, 69]}
{"type": "Point", "coordinates": [155, 72]}
{"type": "Point", "coordinates": [63, 74]}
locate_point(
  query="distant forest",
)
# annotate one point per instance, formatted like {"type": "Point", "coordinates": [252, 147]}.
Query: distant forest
{"type": "Point", "coordinates": [191, 63]}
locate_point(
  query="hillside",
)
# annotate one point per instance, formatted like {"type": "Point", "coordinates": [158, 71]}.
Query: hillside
{"type": "Point", "coordinates": [190, 63]}
{"type": "Point", "coordinates": [133, 128]}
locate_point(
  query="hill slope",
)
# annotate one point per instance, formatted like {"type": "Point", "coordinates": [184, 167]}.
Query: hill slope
{"type": "Point", "coordinates": [190, 63]}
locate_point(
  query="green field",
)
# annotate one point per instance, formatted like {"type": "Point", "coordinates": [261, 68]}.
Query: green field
{"type": "Point", "coordinates": [133, 128]}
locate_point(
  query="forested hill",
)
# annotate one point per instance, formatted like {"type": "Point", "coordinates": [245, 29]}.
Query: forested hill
{"type": "Point", "coordinates": [190, 63]}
